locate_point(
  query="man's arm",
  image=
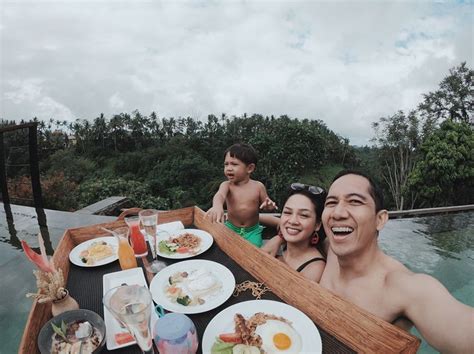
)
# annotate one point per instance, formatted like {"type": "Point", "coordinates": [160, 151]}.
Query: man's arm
{"type": "Point", "coordinates": [216, 213]}
{"type": "Point", "coordinates": [445, 323]}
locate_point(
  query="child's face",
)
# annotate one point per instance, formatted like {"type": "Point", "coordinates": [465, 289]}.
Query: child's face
{"type": "Point", "coordinates": [236, 170]}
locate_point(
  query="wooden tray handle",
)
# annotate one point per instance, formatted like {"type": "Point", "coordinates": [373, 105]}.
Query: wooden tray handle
{"type": "Point", "coordinates": [130, 211]}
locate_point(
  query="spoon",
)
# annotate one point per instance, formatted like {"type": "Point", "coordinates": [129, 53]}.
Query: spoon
{"type": "Point", "coordinates": [84, 331]}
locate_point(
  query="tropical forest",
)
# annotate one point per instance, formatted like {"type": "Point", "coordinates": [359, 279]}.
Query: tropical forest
{"type": "Point", "coordinates": [422, 158]}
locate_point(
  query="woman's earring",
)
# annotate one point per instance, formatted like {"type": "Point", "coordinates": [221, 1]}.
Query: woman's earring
{"type": "Point", "coordinates": [314, 238]}
{"type": "Point", "coordinates": [279, 233]}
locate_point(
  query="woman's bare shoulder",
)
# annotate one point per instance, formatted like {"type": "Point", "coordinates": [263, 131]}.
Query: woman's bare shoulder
{"type": "Point", "coordinates": [314, 270]}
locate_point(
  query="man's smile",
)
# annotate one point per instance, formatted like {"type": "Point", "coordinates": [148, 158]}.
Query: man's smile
{"type": "Point", "coordinates": [340, 233]}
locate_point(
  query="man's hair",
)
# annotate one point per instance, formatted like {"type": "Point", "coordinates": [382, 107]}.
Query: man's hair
{"type": "Point", "coordinates": [244, 152]}
{"type": "Point", "coordinates": [374, 190]}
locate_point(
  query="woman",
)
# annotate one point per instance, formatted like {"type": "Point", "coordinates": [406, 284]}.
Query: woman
{"type": "Point", "coordinates": [300, 228]}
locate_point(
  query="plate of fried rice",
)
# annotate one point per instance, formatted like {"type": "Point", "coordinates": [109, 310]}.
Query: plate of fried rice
{"type": "Point", "coordinates": [183, 244]}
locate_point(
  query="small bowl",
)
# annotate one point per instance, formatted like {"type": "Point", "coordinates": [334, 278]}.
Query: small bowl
{"type": "Point", "coordinates": [46, 333]}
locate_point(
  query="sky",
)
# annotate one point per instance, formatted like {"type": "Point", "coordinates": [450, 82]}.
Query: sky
{"type": "Point", "coordinates": [347, 63]}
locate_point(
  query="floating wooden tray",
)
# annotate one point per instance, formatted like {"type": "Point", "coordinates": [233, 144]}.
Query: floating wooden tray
{"type": "Point", "coordinates": [358, 329]}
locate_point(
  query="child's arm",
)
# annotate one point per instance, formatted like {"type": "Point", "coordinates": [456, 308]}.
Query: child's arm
{"type": "Point", "coordinates": [269, 220]}
{"type": "Point", "coordinates": [266, 203]}
{"type": "Point", "coordinates": [216, 213]}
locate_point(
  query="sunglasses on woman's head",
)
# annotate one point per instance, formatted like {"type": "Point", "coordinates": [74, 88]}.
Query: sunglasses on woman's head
{"type": "Point", "coordinates": [306, 187]}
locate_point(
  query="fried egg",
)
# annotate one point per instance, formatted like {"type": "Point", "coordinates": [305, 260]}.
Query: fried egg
{"type": "Point", "coordinates": [278, 337]}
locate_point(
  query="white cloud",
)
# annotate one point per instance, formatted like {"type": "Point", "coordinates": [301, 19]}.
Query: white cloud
{"type": "Point", "coordinates": [29, 93]}
{"type": "Point", "coordinates": [115, 102]}
{"type": "Point", "coordinates": [48, 107]}
{"type": "Point", "coordinates": [345, 62]}
{"type": "Point", "coordinates": [23, 91]}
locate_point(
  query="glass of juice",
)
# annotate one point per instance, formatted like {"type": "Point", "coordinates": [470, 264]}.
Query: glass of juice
{"type": "Point", "coordinates": [125, 251]}
{"type": "Point", "coordinates": [137, 239]}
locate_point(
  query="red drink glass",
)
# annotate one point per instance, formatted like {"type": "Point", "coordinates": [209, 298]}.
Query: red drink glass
{"type": "Point", "coordinates": [137, 239]}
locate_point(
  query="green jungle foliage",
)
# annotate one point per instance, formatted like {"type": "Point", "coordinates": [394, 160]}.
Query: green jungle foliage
{"type": "Point", "coordinates": [421, 158]}
{"type": "Point", "coordinates": [445, 173]}
{"type": "Point", "coordinates": [424, 158]}
{"type": "Point", "coordinates": [170, 163]}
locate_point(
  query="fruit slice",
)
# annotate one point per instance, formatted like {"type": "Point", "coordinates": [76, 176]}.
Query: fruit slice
{"type": "Point", "coordinates": [122, 338]}
{"type": "Point", "coordinates": [230, 337]}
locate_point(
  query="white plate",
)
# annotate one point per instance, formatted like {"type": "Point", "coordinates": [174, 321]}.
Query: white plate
{"type": "Point", "coordinates": [132, 276]}
{"type": "Point", "coordinates": [223, 322]}
{"type": "Point", "coordinates": [160, 281]}
{"type": "Point", "coordinates": [76, 251]}
{"type": "Point", "coordinates": [206, 242]}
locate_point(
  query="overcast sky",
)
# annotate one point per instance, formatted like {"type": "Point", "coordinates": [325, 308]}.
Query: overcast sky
{"type": "Point", "coordinates": [345, 62]}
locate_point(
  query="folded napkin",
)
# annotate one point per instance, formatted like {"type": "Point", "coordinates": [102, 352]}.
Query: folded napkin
{"type": "Point", "coordinates": [171, 226]}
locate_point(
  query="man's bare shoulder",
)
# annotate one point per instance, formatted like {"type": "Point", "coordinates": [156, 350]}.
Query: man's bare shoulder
{"type": "Point", "coordinates": [396, 276]}
{"type": "Point", "coordinates": [395, 271]}
{"type": "Point", "coordinates": [411, 283]}
{"type": "Point", "coordinates": [410, 288]}
{"type": "Point", "coordinates": [393, 265]}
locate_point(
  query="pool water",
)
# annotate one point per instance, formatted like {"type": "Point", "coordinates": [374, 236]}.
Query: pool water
{"type": "Point", "coordinates": [441, 246]}
{"type": "Point", "coordinates": [16, 270]}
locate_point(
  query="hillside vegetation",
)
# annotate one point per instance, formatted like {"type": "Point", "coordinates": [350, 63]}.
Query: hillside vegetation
{"type": "Point", "coordinates": [422, 158]}
{"type": "Point", "coordinates": [171, 163]}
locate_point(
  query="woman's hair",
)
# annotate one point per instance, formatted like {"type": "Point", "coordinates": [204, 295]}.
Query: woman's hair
{"type": "Point", "coordinates": [318, 202]}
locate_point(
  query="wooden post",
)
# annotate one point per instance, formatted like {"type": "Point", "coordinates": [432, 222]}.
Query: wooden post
{"type": "Point", "coordinates": [34, 165]}
{"type": "Point", "coordinates": [3, 176]}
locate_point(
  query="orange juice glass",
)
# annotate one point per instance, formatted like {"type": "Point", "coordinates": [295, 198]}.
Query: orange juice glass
{"type": "Point", "coordinates": [125, 251]}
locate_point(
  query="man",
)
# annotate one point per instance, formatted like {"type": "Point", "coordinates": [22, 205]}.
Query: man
{"type": "Point", "coordinates": [358, 270]}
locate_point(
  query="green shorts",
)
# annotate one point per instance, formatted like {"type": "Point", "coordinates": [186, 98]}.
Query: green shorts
{"type": "Point", "coordinates": [253, 234]}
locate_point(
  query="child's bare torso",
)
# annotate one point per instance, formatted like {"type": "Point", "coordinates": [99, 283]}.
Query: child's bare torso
{"type": "Point", "coordinates": [243, 202]}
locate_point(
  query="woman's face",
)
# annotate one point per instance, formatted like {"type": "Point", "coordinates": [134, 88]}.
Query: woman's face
{"type": "Point", "coordinates": [298, 219]}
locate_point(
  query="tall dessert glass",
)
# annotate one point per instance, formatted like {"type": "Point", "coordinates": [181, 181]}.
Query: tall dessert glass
{"type": "Point", "coordinates": [149, 222]}
{"type": "Point", "coordinates": [132, 306]}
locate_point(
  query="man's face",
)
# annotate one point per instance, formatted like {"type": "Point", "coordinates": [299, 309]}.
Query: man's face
{"type": "Point", "coordinates": [349, 216]}
{"type": "Point", "coordinates": [236, 170]}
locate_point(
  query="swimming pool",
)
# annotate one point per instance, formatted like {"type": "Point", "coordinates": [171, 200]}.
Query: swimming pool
{"type": "Point", "coordinates": [441, 246]}
{"type": "Point", "coordinates": [16, 270]}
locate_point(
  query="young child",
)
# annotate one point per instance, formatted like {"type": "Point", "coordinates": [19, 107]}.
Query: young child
{"type": "Point", "coordinates": [242, 195]}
